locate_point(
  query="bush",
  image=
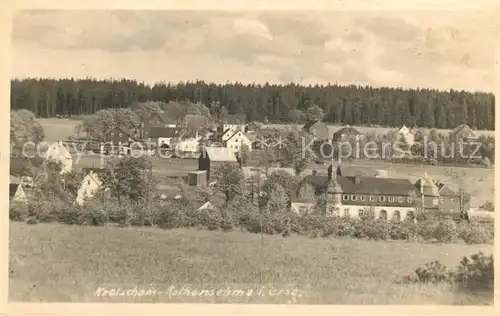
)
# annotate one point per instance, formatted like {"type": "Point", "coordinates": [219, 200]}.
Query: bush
{"type": "Point", "coordinates": [476, 274]}
{"type": "Point", "coordinates": [474, 233]}
{"type": "Point", "coordinates": [446, 231]}
{"type": "Point", "coordinates": [433, 272]}
{"type": "Point", "coordinates": [403, 230]}
{"type": "Point", "coordinates": [376, 229]}
{"type": "Point", "coordinates": [18, 212]}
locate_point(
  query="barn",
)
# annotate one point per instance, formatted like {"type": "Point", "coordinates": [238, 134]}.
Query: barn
{"type": "Point", "coordinates": [212, 157]}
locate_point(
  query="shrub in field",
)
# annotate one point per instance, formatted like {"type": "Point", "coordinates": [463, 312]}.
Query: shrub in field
{"type": "Point", "coordinates": [377, 229]}
{"type": "Point", "coordinates": [433, 272]}
{"type": "Point", "coordinates": [476, 274]}
{"type": "Point", "coordinates": [474, 233]}
{"type": "Point", "coordinates": [403, 230]}
{"type": "Point", "coordinates": [18, 212]}
{"type": "Point", "coordinates": [347, 227]}
{"type": "Point", "coordinates": [446, 231]}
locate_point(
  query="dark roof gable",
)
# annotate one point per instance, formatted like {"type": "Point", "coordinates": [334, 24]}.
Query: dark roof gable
{"type": "Point", "coordinates": [160, 131]}
{"type": "Point", "coordinates": [367, 185]}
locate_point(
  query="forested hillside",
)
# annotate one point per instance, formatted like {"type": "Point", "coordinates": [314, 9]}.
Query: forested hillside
{"type": "Point", "coordinates": [354, 105]}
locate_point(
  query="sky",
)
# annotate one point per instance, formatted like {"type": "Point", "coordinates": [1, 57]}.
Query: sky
{"type": "Point", "coordinates": [426, 49]}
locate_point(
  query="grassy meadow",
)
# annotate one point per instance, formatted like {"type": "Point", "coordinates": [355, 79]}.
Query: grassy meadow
{"type": "Point", "coordinates": [57, 263]}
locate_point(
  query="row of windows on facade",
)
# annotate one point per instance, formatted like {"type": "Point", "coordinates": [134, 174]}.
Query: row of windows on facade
{"type": "Point", "coordinates": [396, 215]}
{"type": "Point", "coordinates": [371, 198]}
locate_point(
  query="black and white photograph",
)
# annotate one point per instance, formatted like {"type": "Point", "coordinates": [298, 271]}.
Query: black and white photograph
{"type": "Point", "coordinates": [292, 157]}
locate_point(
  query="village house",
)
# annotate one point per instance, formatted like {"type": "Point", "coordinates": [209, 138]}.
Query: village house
{"type": "Point", "coordinates": [18, 169]}
{"type": "Point", "coordinates": [16, 191]}
{"type": "Point", "coordinates": [237, 140]}
{"type": "Point", "coordinates": [60, 154]}
{"type": "Point", "coordinates": [427, 192]}
{"type": "Point", "coordinates": [449, 200]}
{"type": "Point", "coordinates": [317, 129]}
{"type": "Point", "coordinates": [188, 145]}
{"type": "Point", "coordinates": [407, 134]}
{"type": "Point", "coordinates": [233, 122]}
{"type": "Point", "coordinates": [253, 127]}
{"type": "Point", "coordinates": [213, 157]}
{"type": "Point", "coordinates": [161, 137]}
{"type": "Point", "coordinates": [89, 186]}
{"type": "Point", "coordinates": [160, 119]}
{"type": "Point", "coordinates": [358, 195]}
{"type": "Point", "coordinates": [118, 141]}
{"type": "Point", "coordinates": [463, 132]}
{"type": "Point", "coordinates": [347, 133]}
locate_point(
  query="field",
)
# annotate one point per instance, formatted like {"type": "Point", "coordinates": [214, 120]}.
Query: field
{"type": "Point", "coordinates": [58, 129]}
{"type": "Point", "coordinates": [56, 263]}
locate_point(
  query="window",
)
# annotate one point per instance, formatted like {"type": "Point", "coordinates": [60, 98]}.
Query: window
{"type": "Point", "coordinates": [362, 198]}
{"type": "Point", "coordinates": [396, 216]}
{"type": "Point", "coordinates": [401, 199]}
{"type": "Point", "coordinates": [120, 134]}
{"type": "Point", "coordinates": [410, 216]}
{"type": "Point", "coordinates": [88, 182]}
{"type": "Point", "coordinates": [372, 198]}
{"type": "Point", "coordinates": [391, 199]}
{"type": "Point", "coordinates": [361, 213]}
{"type": "Point", "coordinates": [409, 200]}
{"type": "Point", "coordinates": [381, 198]}
{"type": "Point", "coordinates": [346, 212]}
{"type": "Point", "coordinates": [345, 197]}
{"type": "Point", "coordinates": [383, 214]}
{"type": "Point", "coordinates": [354, 198]}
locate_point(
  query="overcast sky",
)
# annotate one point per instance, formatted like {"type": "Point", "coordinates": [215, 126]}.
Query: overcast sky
{"type": "Point", "coordinates": [410, 49]}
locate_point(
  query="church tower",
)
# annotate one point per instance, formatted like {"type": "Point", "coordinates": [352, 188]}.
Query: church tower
{"type": "Point", "coordinates": [334, 190]}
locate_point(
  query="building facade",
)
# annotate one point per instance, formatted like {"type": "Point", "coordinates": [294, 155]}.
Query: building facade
{"type": "Point", "coordinates": [359, 196]}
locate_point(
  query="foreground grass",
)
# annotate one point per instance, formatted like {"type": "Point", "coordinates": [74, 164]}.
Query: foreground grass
{"type": "Point", "coordinates": [56, 263]}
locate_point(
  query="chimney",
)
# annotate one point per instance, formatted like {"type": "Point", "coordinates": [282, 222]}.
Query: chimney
{"type": "Point", "coordinates": [357, 179]}
{"type": "Point", "coordinates": [315, 172]}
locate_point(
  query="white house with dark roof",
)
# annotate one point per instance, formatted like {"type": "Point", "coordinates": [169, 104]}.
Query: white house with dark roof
{"type": "Point", "coordinates": [16, 191]}
{"type": "Point", "coordinates": [237, 140]}
{"type": "Point", "coordinates": [89, 187]}
{"type": "Point", "coordinates": [58, 153]}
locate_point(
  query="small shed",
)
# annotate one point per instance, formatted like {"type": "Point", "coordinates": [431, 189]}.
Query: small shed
{"type": "Point", "coordinates": [197, 178]}
{"type": "Point", "coordinates": [211, 157]}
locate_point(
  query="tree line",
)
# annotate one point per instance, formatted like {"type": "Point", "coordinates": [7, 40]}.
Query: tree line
{"type": "Point", "coordinates": [353, 105]}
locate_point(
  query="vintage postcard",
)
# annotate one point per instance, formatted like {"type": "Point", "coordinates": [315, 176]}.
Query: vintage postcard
{"type": "Point", "coordinates": [212, 153]}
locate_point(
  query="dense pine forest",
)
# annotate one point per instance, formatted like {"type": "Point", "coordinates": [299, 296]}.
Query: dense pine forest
{"type": "Point", "coordinates": [354, 105]}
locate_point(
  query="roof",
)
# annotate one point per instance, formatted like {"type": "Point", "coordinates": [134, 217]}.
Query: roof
{"type": "Point", "coordinates": [429, 187]}
{"type": "Point", "coordinates": [309, 124]}
{"type": "Point", "coordinates": [234, 134]}
{"type": "Point", "coordinates": [14, 179]}
{"type": "Point", "coordinates": [206, 205]}
{"type": "Point", "coordinates": [444, 190]}
{"type": "Point", "coordinates": [18, 166]}
{"type": "Point", "coordinates": [463, 130]}
{"type": "Point", "coordinates": [121, 130]}
{"type": "Point", "coordinates": [367, 185]}
{"type": "Point", "coordinates": [351, 171]}
{"type": "Point", "coordinates": [13, 187]}
{"type": "Point", "coordinates": [348, 130]}
{"type": "Point", "coordinates": [58, 150]}
{"type": "Point", "coordinates": [161, 131]}
{"type": "Point", "coordinates": [219, 154]}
